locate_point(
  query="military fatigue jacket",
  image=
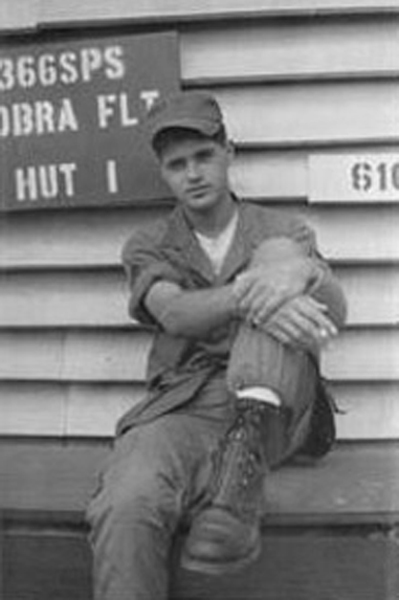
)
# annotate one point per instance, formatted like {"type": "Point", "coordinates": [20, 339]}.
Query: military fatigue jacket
{"type": "Point", "coordinates": [168, 250]}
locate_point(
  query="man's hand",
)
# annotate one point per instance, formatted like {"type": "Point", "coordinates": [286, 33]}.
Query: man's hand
{"type": "Point", "coordinates": [264, 288]}
{"type": "Point", "coordinates": [301, 323]}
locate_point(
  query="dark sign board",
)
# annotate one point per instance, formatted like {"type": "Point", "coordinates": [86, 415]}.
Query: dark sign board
{"type": "Point", "coordinates": [71, 119]}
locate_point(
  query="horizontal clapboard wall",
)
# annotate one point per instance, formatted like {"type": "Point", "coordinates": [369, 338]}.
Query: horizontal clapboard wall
{"type": "Point", "coordinates": [70, 411]}
{"type": "Point", "coordinates": [34, 13]}
{"type": "Point", "coordinates": [291, 51]}
{"type": "Point", "coordinates": [366, 234]}
{"type": "Point", "coordinates": [70, 359]}
{"type": "Point", "coordinates": [107, 355]}
{"type": "Point", "coordinates": [97, 297]}
{"type": "Point", "coordinates": [75, 382]}
{"type": "Point", "coordinates": [306, 114]}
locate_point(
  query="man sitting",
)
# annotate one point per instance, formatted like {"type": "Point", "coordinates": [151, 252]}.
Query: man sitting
{"type": "Point", "coordinates": [241, 303]}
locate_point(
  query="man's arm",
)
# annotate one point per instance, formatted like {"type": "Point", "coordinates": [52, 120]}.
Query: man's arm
{"type": "Point", "coordinates": [284, 268]}
{"type": "Point", "coordinates": [157, 292]}
{"type": "Point", "coordinates": [300, 323]}
{"type": "Point", "coordinates": [266, 286]}
{"type": "Point", "coordinates": [290, 292]}
{"type": "Point", "coordinates": [195, 313]}
{"type": "Point", "coordinates": [191, 313]}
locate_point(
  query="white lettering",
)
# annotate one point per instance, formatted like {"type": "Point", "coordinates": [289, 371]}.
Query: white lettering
{"type": "Point", "coordinates": [68, 170]}
{"type": "Point", "coordinates": [22, 116]}
{"type": "Point", "coordinates": [48, 181]}
{"type": "Point", "coordinates": [26, 71]}
{"type": "Point", "coordinates": [38, 118]}
{"type": "Point", "coordinates": [115, 68]}
{"type": "Point", "coordinates": [149, 97]}
{"type": "Point", "coordinates": [68, 67]}
{"type": "Point", "coordinates": [7, 77]}
{"type": "Point", "coordinates": [112, 177]}
{"type": "Point", "coordinates": [26, 184]}
{"type": "Point", "coordinates": [5, 125]}
{"type": "Point", "coordinates": [91, 61]}
{"type": "Point", "coordinates": [69, 71]}
{"type": "Point", "coordinates": [45, 181]}
{"type": "Point", "coordinates": [104, 110]}
{"type": "Point", "coordinates": [126, 119]}
{"type": "Point", "coordinates": [67, 118]}
{"type": "Point", "coordinates": [47, 69]}
{"type": "Point", "coordinates": [44, 116]}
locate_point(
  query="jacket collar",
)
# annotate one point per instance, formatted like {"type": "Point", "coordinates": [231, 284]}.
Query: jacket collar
{"type": "Point", "coordinates": [180, 236]}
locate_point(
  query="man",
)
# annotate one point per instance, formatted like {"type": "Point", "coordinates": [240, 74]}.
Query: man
{"type": "Point", "coordinates": [241, 304]}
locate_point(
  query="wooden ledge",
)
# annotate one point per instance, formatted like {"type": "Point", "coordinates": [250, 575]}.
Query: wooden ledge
{"type": "Point", "coordinates": [330, 527]}
{"type": "Point", "coordinates": [356, 483]}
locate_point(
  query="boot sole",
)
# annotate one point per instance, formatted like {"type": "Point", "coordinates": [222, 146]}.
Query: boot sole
{"type": "Point", "coordinates": [211, 568]}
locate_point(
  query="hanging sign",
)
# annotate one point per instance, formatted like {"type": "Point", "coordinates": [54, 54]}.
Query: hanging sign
{"type": "Point", "coordinates": [71, 120]}
{"type": "Point", "coordinates": [356, 178]}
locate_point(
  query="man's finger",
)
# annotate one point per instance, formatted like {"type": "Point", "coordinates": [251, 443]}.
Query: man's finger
{"type": "Point", "coordinates": [302, 327]}
{"type": "Point", "coordinates": [307, 307]}
{"type": "Point", "coordinates": [282, 337]}
{"type": "Point", "coordinates": [298, 327]}
{"type": "Point", "coordinates": [259, 314]}
{"type": "Point", "coordinates": [280, 333]}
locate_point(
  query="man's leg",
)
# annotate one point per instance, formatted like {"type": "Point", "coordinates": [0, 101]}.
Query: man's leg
{"type": "Point", "coordinates": [147, 486]}
{"type": "Point", "coordinates": [261, 368]}
{"type": "Point", "coordinates": [274, 386]}
{"type": "Point", "coordinates": [259, 362]}
{"type": "Point", "coordinates": [226, 533]}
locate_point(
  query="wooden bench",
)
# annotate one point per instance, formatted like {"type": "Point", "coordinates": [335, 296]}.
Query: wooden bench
{"type": "Point", "coordinates": [330, 529]}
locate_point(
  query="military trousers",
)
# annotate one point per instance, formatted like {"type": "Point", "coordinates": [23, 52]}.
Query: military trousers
{"type": "Point", "coordinates": [158, 471]}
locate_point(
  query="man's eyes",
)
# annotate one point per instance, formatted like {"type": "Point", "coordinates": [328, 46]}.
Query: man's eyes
{"type": "Point", "coordinates": [176, 165]}
{"type": "Point", "coordinates": [179, 164]}
{"type": "Point", "coordinates": [205, 155]}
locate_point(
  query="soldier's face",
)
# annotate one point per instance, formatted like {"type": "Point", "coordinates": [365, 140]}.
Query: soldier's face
{"type": "Point", "coordinates": [196, 170]}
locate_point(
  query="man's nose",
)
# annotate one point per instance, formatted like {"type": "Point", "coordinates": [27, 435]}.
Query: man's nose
{"type": "Point", "coordinates": [193, 170]}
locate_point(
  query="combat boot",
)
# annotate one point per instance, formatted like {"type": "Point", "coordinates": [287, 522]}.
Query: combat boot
{"type": "Point", "coordinates": [225, 534]}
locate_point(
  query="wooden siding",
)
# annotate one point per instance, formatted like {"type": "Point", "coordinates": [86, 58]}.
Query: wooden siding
{"type": "Point", "coordinates": [70, 360]}
{"type": "Point", "coordinates": [112, 355]}
{"type": "Point", "coordinates": [143, 10]}
{"type": "Point", "coordinates": [295, 114]}
{"type": "Point", "coordinates": [94, 239]}
{"type": "Point", "coordinates": [98, 297]}
{"type": "Point", "coordinates": [57, 409]}
{"type": "Point", "coordinates": [19, 15]}
{"type": "Point", "coordinates": [291, 50]}
{"type": "Point", "coordinates": [67, 410]}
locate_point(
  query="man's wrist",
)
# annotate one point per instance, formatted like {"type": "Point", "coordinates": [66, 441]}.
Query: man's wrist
{"type": "Point", "coordinates": [234, 300]}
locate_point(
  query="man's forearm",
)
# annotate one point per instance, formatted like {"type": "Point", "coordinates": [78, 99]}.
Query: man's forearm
{"type": "Point", "coordinates": [191, 313]}
{"type": "Point", "coordinates": [194, 313]}
{"type": "Point", "coordinates": [288, 269]}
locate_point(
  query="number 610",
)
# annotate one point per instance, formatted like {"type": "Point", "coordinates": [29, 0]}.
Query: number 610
{"type": "Point", "coordinates": [383, 176]}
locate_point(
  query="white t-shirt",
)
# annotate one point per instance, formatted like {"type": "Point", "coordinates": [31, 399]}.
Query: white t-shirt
{"type": "Point", "coordinates": [217, 247]}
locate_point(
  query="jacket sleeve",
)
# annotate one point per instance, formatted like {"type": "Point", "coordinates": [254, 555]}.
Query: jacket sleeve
{"type": "Point", "coordinates": [144, 263]}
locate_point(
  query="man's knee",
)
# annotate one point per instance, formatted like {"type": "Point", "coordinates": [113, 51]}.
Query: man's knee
{"type": "Point", "coordinates": [276, 249]}
{"type": "Point", "coordinates": [141, 496]}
